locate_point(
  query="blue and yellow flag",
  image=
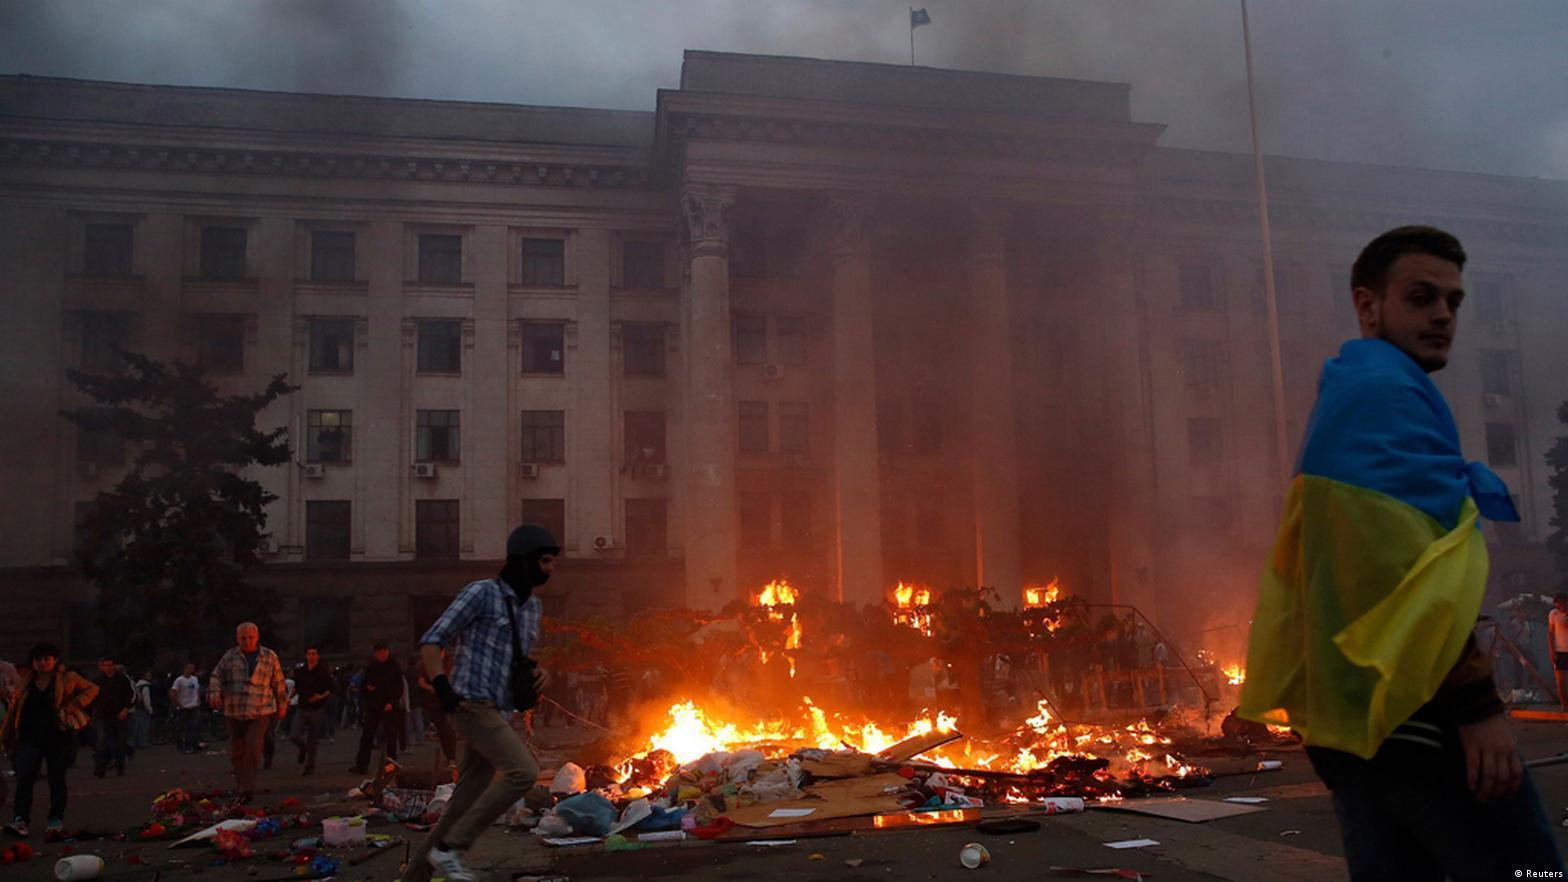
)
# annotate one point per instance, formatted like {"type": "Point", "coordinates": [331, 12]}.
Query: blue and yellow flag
{"type": "Point", "coordinates": [1379, 566]}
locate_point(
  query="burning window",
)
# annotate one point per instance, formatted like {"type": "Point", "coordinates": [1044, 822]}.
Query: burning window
{"type": "Point", "coordinates": [327, 529]}
{"type": "Point", "coordinates": [329, 436]}
{"type": "Point", "coordinates": [436, 436]}
{"type": "Point", "coordinates": [440, 259]}
{"type": "Point", "coordinates": [332, 256]}
{"type": "Point", "coordinates": [753, 427]}
{"type": "Point", "coordinates": [332, 346]}
{"type": "Point", "coordinates": [544, 262]}
{"type": "Point", "coordinates": [644, 437]}
{"type": "Point", "coordinates": [544, 436]}
{"type": "Point", "coordinates": [106, 250]}
{"type": "Point", "coordinates": [440, 347]}
{"type": "Point", "coordinates": [544, 347]}
{"type": "Point", "coordinates": [220, 343]}
{"type": "Point", "coordinates": [436, 529]}
{"type": "Point", "coordinates": [751, 339]}
{"type": "Point", "coordinates": [223, 252]}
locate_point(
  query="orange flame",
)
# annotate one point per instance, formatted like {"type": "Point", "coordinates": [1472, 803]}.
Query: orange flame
{"type": "Point", "coordinates": [1036, 596]}
{"type": "Point", "coordinates": [779, 597]}
{"type": "Point", "coordinates": [1235, 674]}
{"type": "Point", "coordinates": [913, 604]}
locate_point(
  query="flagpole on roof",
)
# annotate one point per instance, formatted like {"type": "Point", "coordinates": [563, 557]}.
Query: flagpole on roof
{"type": "Point", "coordinates": [911, 36]}
{"type": "Point", "coordinates": [1276, 362]}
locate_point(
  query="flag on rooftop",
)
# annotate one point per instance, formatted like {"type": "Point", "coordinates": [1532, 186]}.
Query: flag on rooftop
{"type": "Point", "coordinates": [918, 17]}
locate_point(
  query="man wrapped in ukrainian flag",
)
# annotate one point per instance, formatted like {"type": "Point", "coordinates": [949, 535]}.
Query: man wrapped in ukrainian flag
{"type": "Point", "coordinates": [1362, 640]}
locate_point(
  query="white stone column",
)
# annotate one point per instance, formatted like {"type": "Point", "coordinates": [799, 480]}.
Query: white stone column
{"type": "Point", "coordinates": [998, 558]}
{"type": "Point", "coordinates": [709, 509]}
{"type": "Point", "coordinates": [857, 481]}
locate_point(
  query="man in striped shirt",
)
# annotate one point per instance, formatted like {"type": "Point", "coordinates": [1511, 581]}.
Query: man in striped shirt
{"type": "Point", "coordinates": [489, 629]}
{"type": "Point", "coordinates": [247, 685]}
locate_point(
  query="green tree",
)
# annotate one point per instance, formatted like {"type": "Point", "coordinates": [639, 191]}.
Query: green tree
{"type": "Point", "coordinates": [169, 547]}
{"type": "Point", "coordinates": [1557, 458]}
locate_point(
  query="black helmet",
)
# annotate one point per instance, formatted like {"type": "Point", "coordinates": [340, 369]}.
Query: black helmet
{"type": "Point", "coordinates": [531, 538]}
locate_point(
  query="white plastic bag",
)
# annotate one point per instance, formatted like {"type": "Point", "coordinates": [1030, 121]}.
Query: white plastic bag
{"type": "Point", "coordinates": [571, 779]}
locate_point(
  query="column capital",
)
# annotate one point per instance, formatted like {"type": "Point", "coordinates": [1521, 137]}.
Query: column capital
{"type": "Point", "coordinates": [706, 210]}
{"type": "Point", "coordinates": [849, 219]}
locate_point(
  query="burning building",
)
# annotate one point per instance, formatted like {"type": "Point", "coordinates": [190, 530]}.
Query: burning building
{"type": "Point", "coordinates": [851, 324]}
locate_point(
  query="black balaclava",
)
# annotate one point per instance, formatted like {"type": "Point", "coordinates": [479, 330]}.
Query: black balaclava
{"type": "Point", "coordinates": [524, 548]}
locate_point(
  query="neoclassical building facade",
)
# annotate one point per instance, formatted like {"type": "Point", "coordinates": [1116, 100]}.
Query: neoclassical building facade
{"type": "Point", "coordinates": [842, 323]}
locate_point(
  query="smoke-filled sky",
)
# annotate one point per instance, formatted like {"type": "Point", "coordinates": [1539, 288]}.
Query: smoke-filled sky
{"type": "Point", "coordinates": [1452, 84]}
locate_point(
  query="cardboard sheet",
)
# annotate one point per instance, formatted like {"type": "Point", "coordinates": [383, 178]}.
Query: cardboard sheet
{"type": "Point", "coordinates": [841, 766]}
{"type": "Point", "coordinates": [1180, 808]}
{"type": "Point", "coordinates": [830, 799]}
{"type": "Point", "coordinates": [913, 747]}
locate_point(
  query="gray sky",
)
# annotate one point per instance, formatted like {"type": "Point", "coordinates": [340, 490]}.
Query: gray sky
{"type": "Point", "coordinates": [1477, 86]}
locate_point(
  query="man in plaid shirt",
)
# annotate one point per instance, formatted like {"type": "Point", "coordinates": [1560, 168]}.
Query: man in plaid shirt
{"type": "Point", "coordinates": [485, 627]}
{"type": "Point", "coordinates": [247, 686]}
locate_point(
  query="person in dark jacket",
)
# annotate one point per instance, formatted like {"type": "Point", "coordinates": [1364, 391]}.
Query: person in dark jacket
{"type": "Point", "coordinates": [111, 716]}
{"type": "Point", "coordinates": [313, 684]}
{"type": "Point", "coordinates": [43, 714]}
{"type": "Point", "coordinates": [381, 692]}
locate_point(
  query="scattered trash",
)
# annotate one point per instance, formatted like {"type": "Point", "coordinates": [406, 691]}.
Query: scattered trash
{"type": "Point", "coordinates": [78, 866]}
{"type": "Point", "coordinates": [570, 780]}
{"type": "Point", "coordinates": [343, 831]}
{"type": "Point", "coordinates": [587, 814]}
{"type": "Point", "coordinates": [662, 836]}
{"type": "Point", "coordinates": [852, 863]}
{"type": "Point", "coordinates": [1180, 808]}
{"type": "Point", "coordinates": [1132, 843]}
{"type": "Point", "coordinates": [617, 842]}
{"type": "Point", "coordinates": [1270, 765]}
{"type": "Point", "coordinates": [773, 842]}
{"type": "Point", "coordinates": [974, 856]}
{"type": "Point", "coordinates": [1247, 800]}
{"type": "Point", "coordinates": [1290, 833]}
{"type": "Point", "coordinates": [569, 841]}
{"type": "Point", "coordinates": [816, 856]}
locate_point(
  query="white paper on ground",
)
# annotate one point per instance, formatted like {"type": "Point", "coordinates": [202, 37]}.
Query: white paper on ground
{"type": "Point", "coordinates": [573, 840]}
{"type": "Point", "coordinates": [1247, 800]}
{"type": "Point", "coordinates": [211, 832]}
{"type": "Point", "coordinates": [773, 842]}
{"type": "Point", "coordinates": [1132, 843]}
{"type": "Point", "coordinates": [790, 812]}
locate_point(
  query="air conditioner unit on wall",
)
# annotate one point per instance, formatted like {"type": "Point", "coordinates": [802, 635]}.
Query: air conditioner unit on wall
{"type": "Point", "coordinates": [603, 543]}
{"type": "Point", "coordinates": [268, 545]}
{"type": "Point", "coordinates": [424, 470]}
{"type": "Point", "coordinates": [315, 470]}
{"type": "Point", "coordinates": [529, 470]}
{"type": "Point", "coordinates": [773, 372]}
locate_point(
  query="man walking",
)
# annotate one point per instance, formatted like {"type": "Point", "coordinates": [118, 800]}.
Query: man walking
{"type": "Point", "coordinates": [111, 711]}
{"type": "Point", "coordinates": [247, 686]}
{"type": "Point", "coordinates": [382, 690]}
{"type": "Point", "coordinates": [1363, 637]}
{"type": "Point", "coordinates": [490, 628]}
{"type": "Point", "coordinates": [185, 697]}
{"type": "Point", "coordinates": [313, 687]}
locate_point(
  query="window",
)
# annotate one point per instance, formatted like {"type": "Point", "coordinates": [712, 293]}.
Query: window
{"type": "Point", "coordinates": [754, 427]}
{"type": "Point", "coordinates": [794, 427]}
{"type": "Point", "coordinates": [1495, 376]}
{"type": "Point", "coordinates": [331, 256]}
{"type": "Point", "coordinates": [1488, 300]}
{"type": "Point", "coordinates": [791, 339]}
{"type": "Point", "coordinates": [642, 349]}
{"type": "Point", "coordinates": [756, 520]}
{"type": "Point", "coordinates": [436, 436]}
{"type": "Point", "coordinates": [440, 259]}
{"type": "Point", "coordinates": [1196, 283]}
{"type": "Point", "coordinates": [751, 339]}
{"type": "Point", "coordinates": [544, 348]}
{"type": "Point", "coordinates": [106, 250]}
{"type": "Point", "coordinates": [544, 436]}
{"type": "Point", "coordinates": [220, 343]}
{"type": "Point", "coordinates": [1201, 364]}
{"type": "Point", "coordinates": [332, 346]}
{"type": "Point", "coordinates": [435, 529]}
{"type": "Point", "coordinates": [101, 447]}
{"type": "Point", "coordinates": [326, 529]}
{"type": "Point", "coordinates": [644, 436]}
{"type": "Point", "coordinates": [104, 334]}
{"type": "Point", "coordinates": [329, 436]}
{"type": "Point", "coordinates": [440, 347]}
{"type": "Point", "coordinates": [327, 623]}
{"type": "Point", "coordinates": [1502, 450]}
{"type": "Point", "coordinates": [1205, 441]}
{"type": "Point", "coordinates": [795, 513]}
{"type": "Point", "coordinates": [544, 262]}
{"type": "Point", "coordinates": [223, 252]}
{"type": "Point", "coordinates": [547, 513]}
{"type": "Point", "coordinates": [642, 265]}
{"type": "Point", "coordinates": [647, 527]}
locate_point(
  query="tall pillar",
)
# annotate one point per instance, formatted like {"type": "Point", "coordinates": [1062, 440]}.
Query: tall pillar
{"type": "Point", "coordinates": [857, 482]}
{"type": "Point", "coordinates": [710, 511]}
{"type": "Point", "coordinates": [998, 559]}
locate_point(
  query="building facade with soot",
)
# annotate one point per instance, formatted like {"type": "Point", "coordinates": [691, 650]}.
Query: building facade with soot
{"type": "Point", "coordinates": [847, 324]}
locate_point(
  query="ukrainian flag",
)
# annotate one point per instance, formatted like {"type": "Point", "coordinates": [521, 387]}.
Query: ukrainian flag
{"type": "Point", "coordinates": [1379, 566]}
